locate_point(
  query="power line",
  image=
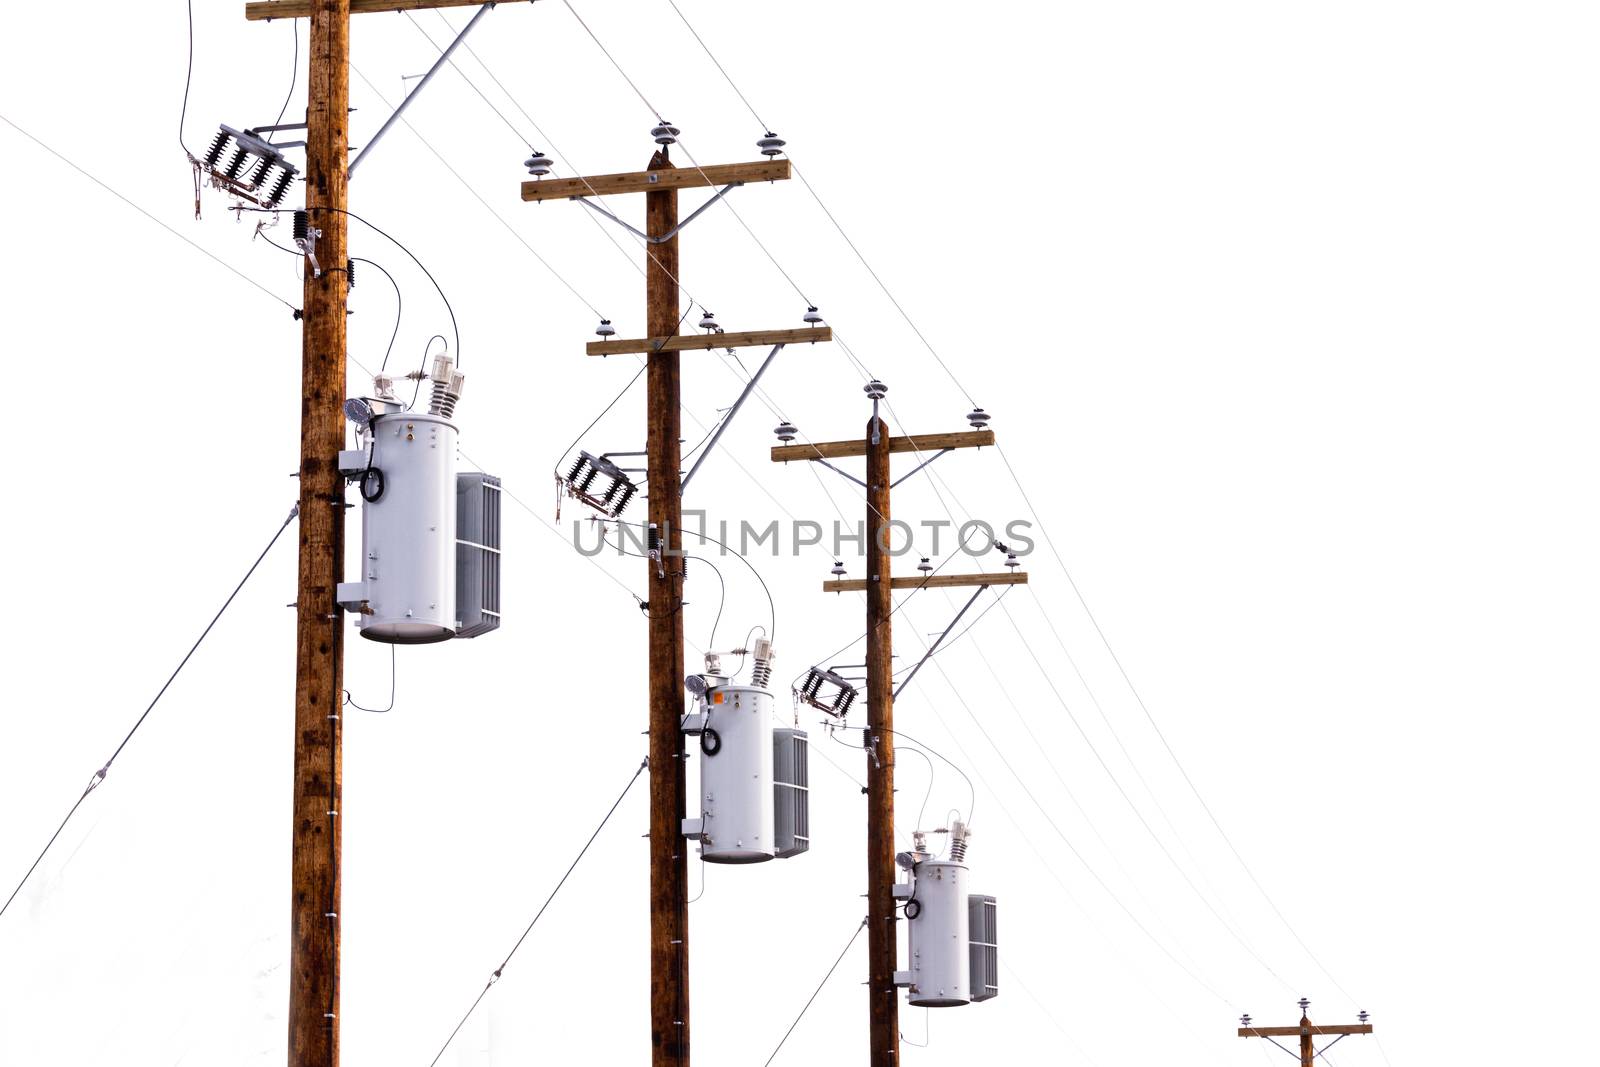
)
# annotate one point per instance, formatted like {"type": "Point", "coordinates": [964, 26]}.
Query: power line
{"type": "Point", "coordinates": [100, 775]}
{"type": "Point", "coordinates": [814, 994]}
{"type": "Point", "coordinates": [200, 248]}
{"type": "Point", "coordinates": [935, 482]}
{"type": "Point", "coordinates": [479, 197]}
{"type": "Point", "coordinates": [798, 173]}
{"type": "Point", "coordinates": [498, 971]}
{"type": "Point", "coordinates": [1139, 699]}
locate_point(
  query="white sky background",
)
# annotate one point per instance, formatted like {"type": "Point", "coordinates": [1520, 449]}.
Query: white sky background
{"type": "Point", "coordinates": [1285, 316]}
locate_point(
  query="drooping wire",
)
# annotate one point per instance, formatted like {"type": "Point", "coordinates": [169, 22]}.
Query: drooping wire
{"type": "Point", "coordinates": [294, 72]}
{"type": "Point", "coordinates": [427, 350]}
{"type": "Point", "coordinates": [972, 793]}
{"type": "Point", "coordinates": [437, 288]}
{"type": "Point", "coordinates": [188, 76]}
{"type": "Point", "coordinates": [100, 775]}
{"type": "Point", "coordinates": [199, 248]}
{"type": "Point", "coordinates": [772, 608]}
{"type": "Point", "coordinates": [498, 971]}
{"type": "Point", "coordinates": [603, 413]}
{"type": "Point", "coordinates": [722, 598]}
{"type": "Point", "coordinates": [348, 699]}
{"type": "Point", "coordinates": [816, 992]}
{"type": "Point", "coordinates": [399, 307]}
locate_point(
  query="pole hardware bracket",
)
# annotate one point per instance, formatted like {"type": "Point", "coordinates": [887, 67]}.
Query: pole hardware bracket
{"type": "Point", "coordinates": [670, 234]}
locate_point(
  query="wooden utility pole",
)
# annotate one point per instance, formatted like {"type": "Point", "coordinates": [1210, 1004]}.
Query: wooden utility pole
{"type": "Point", "coordinates": [1307, 1032]}
{"type": "Point", "coordinates": [883, 1006]}
{"type": "Point", "coordinates": [319, 624]}
{"type": "Point", "coordinates": [669, 860]}
{"type": "Point", "coordinates": [315, 848]}
{"type": "Point", "coordinates": [883, 1009]}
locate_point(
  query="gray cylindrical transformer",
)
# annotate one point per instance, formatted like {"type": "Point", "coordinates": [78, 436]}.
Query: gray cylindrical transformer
{"type": "Point", "coordinates": [408, 533]}
{"type": "Point", "coordinates": [736, 796]}
{"type": "Point", "coordinates": [938, 934]}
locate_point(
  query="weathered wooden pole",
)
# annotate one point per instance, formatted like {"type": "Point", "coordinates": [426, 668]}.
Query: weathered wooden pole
{"type": "Point", "coordinates": [319, 630]}
{"type": "Point", "coordinates": [883, 1006]}
{"type": "Point", "coordinates": [669, 867]}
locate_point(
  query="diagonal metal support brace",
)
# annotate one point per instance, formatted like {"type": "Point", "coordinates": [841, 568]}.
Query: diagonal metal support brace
{"type": "Point", "coordinates": [444, 57]}
{"type": "Point", "coordinates": [919, 466]}
{"type": "Point", "coordinates": [926, 656]}
{"type": "Point", "coordinates": [670, 234]}
{"type": "Point", "coordinates": [836, 470]}
{"type": "Point", "coordinates": [749, 388]}
{"type": "Point", "coordinates": [1330, 1044]}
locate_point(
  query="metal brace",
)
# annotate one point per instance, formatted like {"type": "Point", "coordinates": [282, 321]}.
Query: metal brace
{"type": "Point", "coordinates": [670, 234]}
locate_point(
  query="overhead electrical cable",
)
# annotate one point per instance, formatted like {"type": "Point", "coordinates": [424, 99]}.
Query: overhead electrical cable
{"type": "Point", "coordinates": [877, 278]}
{"type": "Point", "coordinates": [199, 248]}
{"type": "Point", "coordinates": [480, 198]}
{"type": "Point", "coordinates": [935, 483]}
{"type": "Point", "coordinates": [1150, 718]}
{"type": "Point", "coordinates": [825, 210]}
{"type": "Point", "coordinates": [105, 768]}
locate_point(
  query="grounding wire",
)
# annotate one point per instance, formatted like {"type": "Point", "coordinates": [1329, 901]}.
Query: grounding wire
{"type": "Point", "coordinates": [199, 248]}
{"type": "Point", "coordinates": [862, 925]}
{"type": "Point", "coordinates": [100, 775]}
{"type": "Point", "coordinates": [498, 971]}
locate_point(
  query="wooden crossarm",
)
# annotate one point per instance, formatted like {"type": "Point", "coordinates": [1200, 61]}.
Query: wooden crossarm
{"type": "Point", "coordinates": [257, 10]}
{"type": "Point", "coordinates": [926, 442]}
{"type": "Point", "coordinates": [932, 581]}
{"type": "Point", "coordinates": [1296, 1031]}
{"type": "Point", "coordinates": [642, 181]}
{"type": "Point", "coordinates": [696, 342]}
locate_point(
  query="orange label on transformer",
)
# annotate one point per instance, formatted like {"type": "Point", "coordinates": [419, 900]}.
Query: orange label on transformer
{"type": "Point", "coordinates": [716, 697]}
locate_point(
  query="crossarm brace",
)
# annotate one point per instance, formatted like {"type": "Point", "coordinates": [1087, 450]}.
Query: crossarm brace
{"type": "Point", "coordinates": [670, 234]}
{"type": "Point", "coordinates": [919, 466]}
{"type": "Point", "coordinates": [444, 57]}
{"type": "Point", "coordinates": [749, 388]}
{"type": "Point", "coordinates": [926, 656]}
{"type": "Point", "coordinates": [836, 470]}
